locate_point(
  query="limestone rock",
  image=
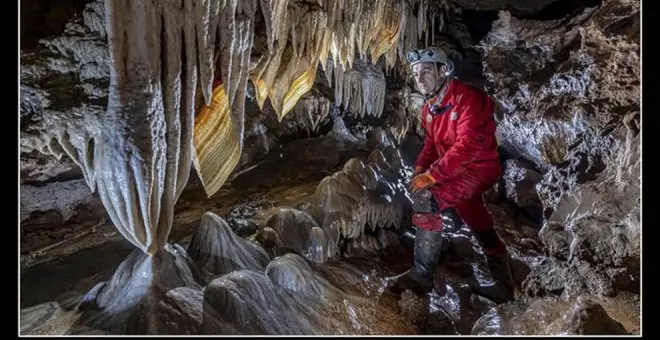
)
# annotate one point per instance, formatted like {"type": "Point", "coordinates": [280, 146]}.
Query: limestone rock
{"type": "Point", "coordinates": [567, 106]}
{"type": "Point", "coordinates": [520, 186]}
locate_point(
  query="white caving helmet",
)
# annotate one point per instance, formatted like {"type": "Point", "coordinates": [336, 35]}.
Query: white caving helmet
{"type": "Point", "coordinates": [431, 55]}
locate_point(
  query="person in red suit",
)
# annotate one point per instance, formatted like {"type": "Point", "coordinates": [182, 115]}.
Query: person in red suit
{"type": "Point", "coordinates": [457, 164]}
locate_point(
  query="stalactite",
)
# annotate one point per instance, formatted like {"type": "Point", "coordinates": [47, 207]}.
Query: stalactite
{"type": "Point", "coordinates": [80, 148]}
{"type": "Point", "coordinates": [335, 32]}
{"type": "Point", "coordinates": [218, 137]}
{"type": "Point", "coordinates": [217, 148]}
{"type": "Point", "coordinates": [300, 35]}
{"type": "Point", "coordinates": [212, 33]}
{"type": "Point", "coordinates": [361, 89]}
{"type": "Point", "coordinates": [311, 111]}
{"type": "Point", "coordinates": [74, 134]}
{"type": "Point", "coordinates": [163, 52]}
{"type": "Point", "coordinates": [352, 199]}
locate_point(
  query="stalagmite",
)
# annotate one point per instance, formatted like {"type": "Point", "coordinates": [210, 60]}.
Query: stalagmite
{"type": "Point", "coordinates": [217, 250]}
{"type": "Point", "coordinates": [351, 198]}
{"type": "Point", "coordinates": [294, 274]}
{"type": "Point", "coordinates": [299, 233]}
{"type": "Point", "coordinates": [143, 292]}
{"type": "Point", "coordinates": [345, 203]}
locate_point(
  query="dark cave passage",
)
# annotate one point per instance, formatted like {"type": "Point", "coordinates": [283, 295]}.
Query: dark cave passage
{"type": "Point", "coordinates": [43, 19]}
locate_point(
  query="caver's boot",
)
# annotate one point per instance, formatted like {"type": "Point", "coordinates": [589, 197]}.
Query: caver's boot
{"type": "Point", "coordinates": [499, 265]}
{"type": "Point", "coordinates": [503, 289]}
{"type": "Point", "coordinates": [501, 270]}
{"type": "Point", "coordinates": [419, 278]}
{"type": "Point", "coordinates": [497, 257]}
{"type": "Point", "coordinates": [451, 220]}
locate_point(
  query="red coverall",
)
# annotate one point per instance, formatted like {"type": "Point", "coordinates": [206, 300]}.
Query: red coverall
{"type": "Point", "coordinates": [460, 152]}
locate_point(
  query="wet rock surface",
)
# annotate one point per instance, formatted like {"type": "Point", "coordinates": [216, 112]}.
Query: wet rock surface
{"type": "Point", "coordinates": [167, 294]}
{"type": "Point", "coordinates": [51, 213]}
{"type": "Point", "coordinates": [550, 316]}
{"type": "Point", "coordinates": [64, 92]}
{"type": "Point", "coordinates": [66, 199]}
{"type": "Point", "coordinates": [217, 250]}
{"type": "Point", "coordinates": [240, 217]}
{"type": "Point", "coordinates": [565, 107]}
{"type": "Point", "coordinates": [588, 317]}
{"type": "Point", "coordinates": [518, 185]}
{"type": "Point", "coordinates": [550, 276]}
{"type": "Point", "coordinates": [132, 301]}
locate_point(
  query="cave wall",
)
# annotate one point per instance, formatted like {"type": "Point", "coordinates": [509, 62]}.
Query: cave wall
{"type": "Point", "coordinates": [64, 78]}
{"type": "Point", "coordinates": [568, 92]}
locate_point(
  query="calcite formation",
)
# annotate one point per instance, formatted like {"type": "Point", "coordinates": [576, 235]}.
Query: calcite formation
{"type": "Point", "coordinates": [136, 94]}
{"type": "Point", "coordinates": [196, 56]}
{"type": "Point", "coordinates": [219, 284]}
{"type": "Point", "coordinates": [299, 36]}
{"type": "Point", "coordinates": [344, 206]}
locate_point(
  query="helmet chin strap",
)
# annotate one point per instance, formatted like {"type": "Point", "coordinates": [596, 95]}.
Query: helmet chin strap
{"type": "Point", "coordinates": [441, 83]}
{"type": "Point", "coordinates": [436, 90]}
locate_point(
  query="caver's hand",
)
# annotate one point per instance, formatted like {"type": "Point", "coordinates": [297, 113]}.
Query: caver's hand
{"type": "Point", "coordinates": [421, 182]}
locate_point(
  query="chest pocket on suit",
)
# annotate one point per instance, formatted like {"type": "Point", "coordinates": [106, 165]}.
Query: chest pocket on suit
{"type": "Point", "coordinates": [451, 132]}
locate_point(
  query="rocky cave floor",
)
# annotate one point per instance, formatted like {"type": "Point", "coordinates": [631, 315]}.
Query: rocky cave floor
{"type": "Point", "coordinates": [55, 277]}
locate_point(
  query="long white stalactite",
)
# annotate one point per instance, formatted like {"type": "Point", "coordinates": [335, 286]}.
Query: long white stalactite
{"type": "Point", "coordinates": [161, 53]}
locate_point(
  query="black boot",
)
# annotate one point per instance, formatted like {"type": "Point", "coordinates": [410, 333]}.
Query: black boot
{"type": "Point", "coordinates": [497, 257]}
{"type": "Point", "coordinates": [428, 246]}
{"type": "Point", "coordinates": [502, 288]}
{"type": "Point", "coordinates": [451, 221]}
{"type": "Point", "coordinates": [499, 266]}
{"type": "Point", "coordinates": [501, 270]}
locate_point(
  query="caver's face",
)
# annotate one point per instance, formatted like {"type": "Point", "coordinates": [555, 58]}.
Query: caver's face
{"type": "Point", "coordinates": [427, 76]}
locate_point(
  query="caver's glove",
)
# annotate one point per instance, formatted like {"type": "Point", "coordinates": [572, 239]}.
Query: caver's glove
{"type": "Point", "coordinates": [420, 182]}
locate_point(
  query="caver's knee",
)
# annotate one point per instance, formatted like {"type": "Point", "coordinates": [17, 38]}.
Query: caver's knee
{"type": "Point", "coordinates": [430, 222]}
{"type": "Point", "coordinates": [475, 214]}
{"type": "Point", "coordinates": [459, 191]}
{"type": "Point", "coordinates": [469, 185]}
{"type": "Point", "coordinates": [488, 174]}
